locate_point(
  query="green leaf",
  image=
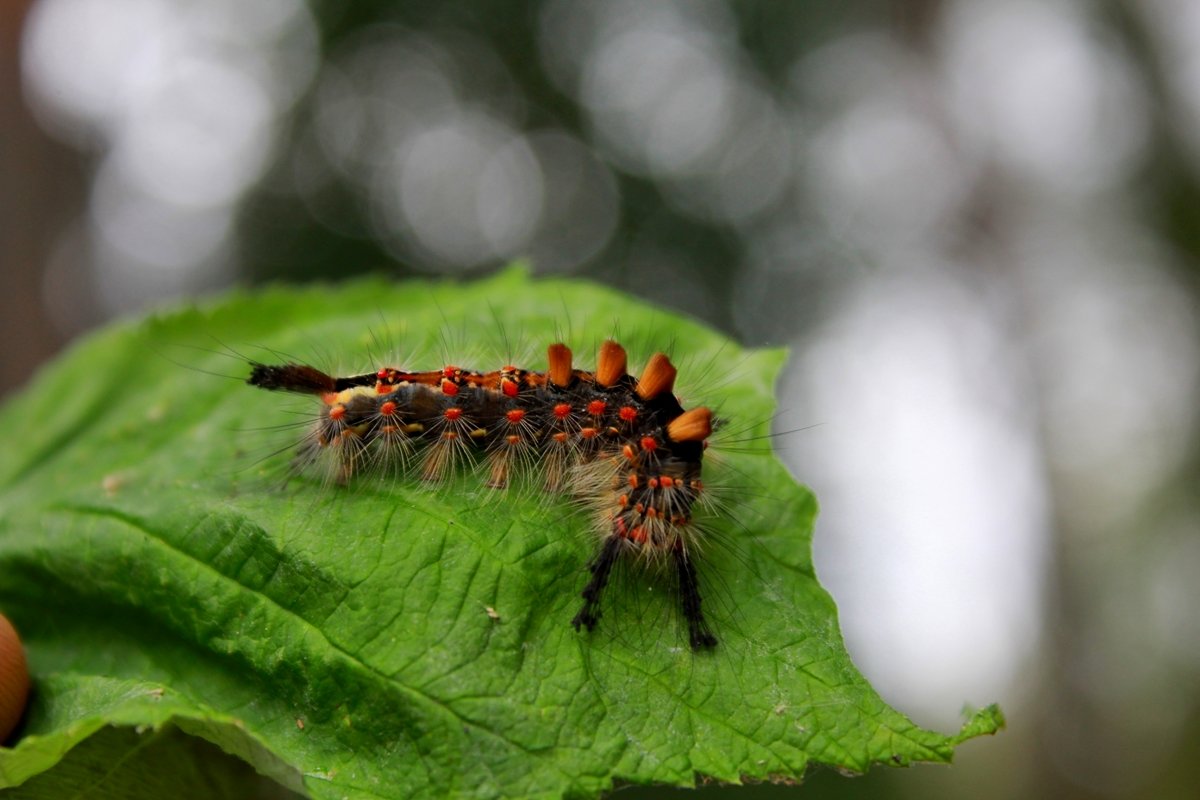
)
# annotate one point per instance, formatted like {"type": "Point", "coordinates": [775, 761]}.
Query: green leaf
{"type": "Point", "coordinates": [339, 638]}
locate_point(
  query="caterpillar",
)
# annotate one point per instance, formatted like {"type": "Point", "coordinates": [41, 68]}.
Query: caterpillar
{"type": "Point", "coordinates": [626, 442]}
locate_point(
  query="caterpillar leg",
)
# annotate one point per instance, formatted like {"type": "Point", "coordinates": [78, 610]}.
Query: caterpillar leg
{"type": "Point", "coordinates": [601, 568]}
{"type": "Point", "coordinates": [699, 634]}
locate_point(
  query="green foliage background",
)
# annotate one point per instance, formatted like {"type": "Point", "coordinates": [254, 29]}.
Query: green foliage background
{"type": "Point", "coordinates": [338, 640]}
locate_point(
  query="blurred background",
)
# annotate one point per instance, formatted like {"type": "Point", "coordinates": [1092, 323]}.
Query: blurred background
{"type": "Point", "coordinates": [976, 223]}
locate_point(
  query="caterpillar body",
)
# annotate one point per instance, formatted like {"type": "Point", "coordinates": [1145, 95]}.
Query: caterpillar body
{"type": "Point", "coordinates": [626, 441]}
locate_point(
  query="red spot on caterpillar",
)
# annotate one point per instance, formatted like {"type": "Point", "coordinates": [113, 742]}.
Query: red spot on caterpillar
{"type": "Point", "coordinates": [666, 481]}
{"type": "Point", "coordinates": [638, 534]}
{"type": "Point", "coordinates": [561, 436]}
{"type": "Point", "coordinates": [652, 483]}
{"type": "Point", "coordinates": [515, 415]}
{"type": "Point", "coordinates": [648, 444]}
{"type": "Point", "coordinates": [450, 371]}
{"type": "Point", "coordinates": [597, 408]}
{"type": "Point", "coordinates": [627, 413]}
{"type": "Point", "coordinates": [509, 387]}
{"type": "Point", "coordinates": [449, 387]}
{"type": "Point", "coordinates": [383, 374]}
{"type": "Point", "coordinates": [337, 412]}
{"type": "Point", "coordinates": [588, 433]}
{"type": "Point", "coordinates": [512, 438]}
{"type": "Point", "coordinates": [562, 410]}
{"type": "Point", "coordinates": [388, 408]}
{"type": "Point", "coordinates": [623, 500]}
{"type": "Point", "coordinates": [454, 413]}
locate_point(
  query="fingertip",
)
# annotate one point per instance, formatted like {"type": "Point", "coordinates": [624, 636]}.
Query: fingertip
{"type": "Point", "coordinates": [14, 678]}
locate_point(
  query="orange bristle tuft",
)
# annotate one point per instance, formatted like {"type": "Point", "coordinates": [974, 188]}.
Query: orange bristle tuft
{"type": "Point", "coordinates": [657, 377]}
{"type": "Point", "coordinates": [610, 364]}
{"type": "Point", "coordinates": [558, 356]}
{"type": "Point", "coordinates": [691, 426]}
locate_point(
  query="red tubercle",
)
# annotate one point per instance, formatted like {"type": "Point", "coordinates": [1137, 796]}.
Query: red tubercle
{"type": "Point", "coordinates": [509, 387]}
{"type": "Point", "coordinates": [449, 387]}
{"type": "Point", "coordinates": [649, 444]}
{"type": "Point", "coordinates": [453, 414]}
{"type": "Point", "coordinates": [515, 415]}
{"type": "Point", "coordinates": [562, 410]}
{"type": "Point", "coordinates": [597, 408]}
{"type": "Point", "coordinates": [588, 433]}
{"type": "Point", "coordinates": [336, 412]}
{"type": "Point", "coordinates": [628, 413]}
{"type": "Point", "coordinates": [388, 408]}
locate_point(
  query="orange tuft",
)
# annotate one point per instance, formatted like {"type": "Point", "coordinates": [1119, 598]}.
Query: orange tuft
{"type": "Point", "coordinates": [610, 364]}
{"type": "Point", "coordinates": [558, 356]}
{"type": "Point", "coordinates": [559, 437]}
{"type": "Point", "coordinates": [588, 433]}
{"type": "Point", "coordinates": [691, 426]}
{"type": "Point", "coordinates": [657, 377]}
{"type": "Point", "coordinates": [337, 412]}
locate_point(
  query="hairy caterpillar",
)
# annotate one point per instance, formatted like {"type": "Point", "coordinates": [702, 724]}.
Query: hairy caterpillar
{"type": "Point", "coordinates": [626, 441]}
